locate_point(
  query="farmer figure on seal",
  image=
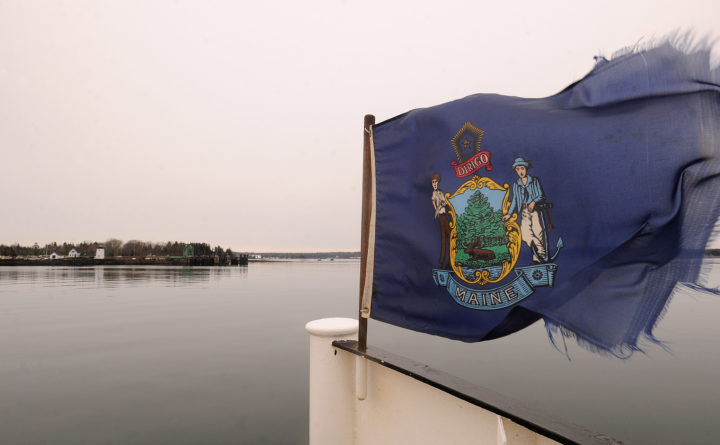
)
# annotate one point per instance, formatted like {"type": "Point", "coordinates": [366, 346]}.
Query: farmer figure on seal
{"type": "Point", "coordinates": [443, 217]}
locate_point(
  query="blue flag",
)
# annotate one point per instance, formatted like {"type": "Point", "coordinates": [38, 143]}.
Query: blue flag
{"type": "Point", "coordinates": [583, 209]}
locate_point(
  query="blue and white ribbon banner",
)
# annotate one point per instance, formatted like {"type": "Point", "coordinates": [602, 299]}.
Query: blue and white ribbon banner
{"type": "Point", "coordinates": [528, 278]}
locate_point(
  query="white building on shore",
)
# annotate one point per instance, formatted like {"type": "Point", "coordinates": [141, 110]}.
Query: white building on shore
{"type": "Point", "coordinates": [100, 253]}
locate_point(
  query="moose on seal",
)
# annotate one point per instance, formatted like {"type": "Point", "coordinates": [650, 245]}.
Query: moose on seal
{"type": "Point", "coordinates": [476, 251]}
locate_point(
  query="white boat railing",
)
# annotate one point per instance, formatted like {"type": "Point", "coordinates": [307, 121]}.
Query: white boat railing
{"type": "Point", "coordinates": [375, 397]}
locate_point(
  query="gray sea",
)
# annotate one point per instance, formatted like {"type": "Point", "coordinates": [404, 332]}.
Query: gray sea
{"type": "Point", "coordinates": [163, 355]}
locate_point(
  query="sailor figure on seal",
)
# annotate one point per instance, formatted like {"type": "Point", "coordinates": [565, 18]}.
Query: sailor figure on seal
{"type": "Point", "coordinates": [529, 201]}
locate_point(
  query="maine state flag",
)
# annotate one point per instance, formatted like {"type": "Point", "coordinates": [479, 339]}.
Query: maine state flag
{"type": "Point", "coordinates": [584, 209]}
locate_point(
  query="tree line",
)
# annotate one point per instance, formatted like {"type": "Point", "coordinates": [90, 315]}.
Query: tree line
{"type": "Point", "coordinates": [115, 247]}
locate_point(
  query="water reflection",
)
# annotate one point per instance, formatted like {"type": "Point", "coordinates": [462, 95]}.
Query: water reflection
{"type": "Point", "coordinates": [145, 355]}
{"type": "Point", "coordinates": [117, 276]}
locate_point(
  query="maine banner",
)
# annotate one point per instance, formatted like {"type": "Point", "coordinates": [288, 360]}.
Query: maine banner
{"type": "Point", "coordinates": [584, 209]}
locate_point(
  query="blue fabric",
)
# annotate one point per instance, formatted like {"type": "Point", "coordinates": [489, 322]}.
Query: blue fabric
{"type": "Point", "coordinates": [628, 157]}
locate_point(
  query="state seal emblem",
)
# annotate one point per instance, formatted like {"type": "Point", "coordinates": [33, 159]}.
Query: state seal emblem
{"type": "Point", "coordinates": [483, 226]}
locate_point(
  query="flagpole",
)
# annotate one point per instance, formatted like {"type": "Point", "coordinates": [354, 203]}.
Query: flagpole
{"type": "Point", "coordinates": [365, 228]}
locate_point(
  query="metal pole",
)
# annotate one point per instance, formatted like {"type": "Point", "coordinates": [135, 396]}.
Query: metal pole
{"type": "Point", "coordinates": [365, 228]}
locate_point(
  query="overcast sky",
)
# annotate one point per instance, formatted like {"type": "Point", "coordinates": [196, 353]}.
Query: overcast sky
{"type": "Point", "coordinates": [240, 123]}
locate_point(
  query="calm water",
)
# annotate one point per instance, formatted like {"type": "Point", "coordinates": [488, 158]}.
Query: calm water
{"type": "Point", "coordinates": [158, 355]}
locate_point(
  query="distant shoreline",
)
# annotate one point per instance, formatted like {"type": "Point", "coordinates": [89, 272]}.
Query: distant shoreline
{"type": "Point", "coordinates": [123, 261]}
{"type": "Point", "coordinates": [204, 260]}
{"type": "Point", "coordinates": [238, 259]}
{"type": "Point", "coordinates": [296, 260]}
{"type": "Point", "coordinates": [275, 256]}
